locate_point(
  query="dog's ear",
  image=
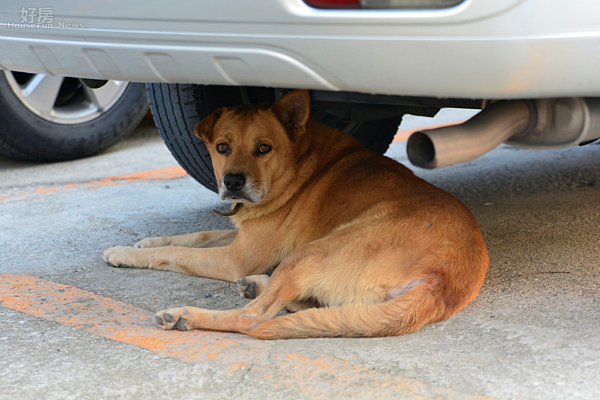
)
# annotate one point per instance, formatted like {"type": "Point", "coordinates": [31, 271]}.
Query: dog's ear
{"type": "Point", "coordinates": [293, 110]}
{"type": "Point", "coordinates": [204, 128]}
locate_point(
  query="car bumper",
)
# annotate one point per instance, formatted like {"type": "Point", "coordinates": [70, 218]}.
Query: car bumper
{"type": "Point", "coordinates": [479, 49]}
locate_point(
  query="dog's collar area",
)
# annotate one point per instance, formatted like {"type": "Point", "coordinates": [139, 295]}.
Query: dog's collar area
{"type": "Point", "coordinates": [233, 211]}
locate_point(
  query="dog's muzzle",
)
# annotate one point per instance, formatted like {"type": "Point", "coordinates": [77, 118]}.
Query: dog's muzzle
{"type": "Point", "coordinates": [235, 188]}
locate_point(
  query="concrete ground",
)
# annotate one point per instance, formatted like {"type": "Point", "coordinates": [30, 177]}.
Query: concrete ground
{"type": "Point", "coordinates": [74, 328]}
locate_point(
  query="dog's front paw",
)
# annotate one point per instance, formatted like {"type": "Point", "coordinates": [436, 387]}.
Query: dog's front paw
{"type": "Point", "coordinates": [173, 318]}
{"type": "Point", "coordinates": [153, 242]}
{"type": "Point", "coordinates": [122, 257]}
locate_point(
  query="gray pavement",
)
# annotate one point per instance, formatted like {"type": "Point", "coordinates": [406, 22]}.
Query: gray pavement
{"type": "Point", "coordinates": [532, 333]}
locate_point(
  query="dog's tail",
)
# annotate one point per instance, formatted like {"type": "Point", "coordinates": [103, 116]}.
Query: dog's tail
{"type": "Point", "coordinates": [406, 313]}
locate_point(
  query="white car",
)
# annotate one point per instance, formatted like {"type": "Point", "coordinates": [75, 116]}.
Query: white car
{"type": "Point", "coordinates": [366, 62]}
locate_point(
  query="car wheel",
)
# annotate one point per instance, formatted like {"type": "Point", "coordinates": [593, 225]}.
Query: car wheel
{"type": "Point", "coordinates": [176, 108]}
{"type": "Point", "coordinates": [52, 118]}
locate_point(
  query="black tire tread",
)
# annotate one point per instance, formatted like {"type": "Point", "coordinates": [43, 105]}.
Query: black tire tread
{"type": "Point", "coordinates": [176, 109]}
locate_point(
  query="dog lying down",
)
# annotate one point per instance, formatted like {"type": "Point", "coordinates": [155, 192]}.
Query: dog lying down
{"type": "Point", "coordinates": [361, 246]}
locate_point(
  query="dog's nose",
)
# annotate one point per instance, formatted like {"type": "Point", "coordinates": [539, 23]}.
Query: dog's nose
{"type": "Point", "coordinates": [234, 182]}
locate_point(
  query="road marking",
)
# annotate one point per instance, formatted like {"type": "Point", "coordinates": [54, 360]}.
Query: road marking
{"type": "Point", "coordinates": [266, 360]}
{"type": "Point", "coordinates": [151, 175]}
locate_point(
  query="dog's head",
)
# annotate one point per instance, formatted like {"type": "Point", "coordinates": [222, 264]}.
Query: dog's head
{"type": "Point", "coordinates": [254, 148]}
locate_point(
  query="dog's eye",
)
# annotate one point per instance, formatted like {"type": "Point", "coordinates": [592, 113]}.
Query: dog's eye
{"type": "Point", "coordinates": [264, 148]}
{"type": "Point", "coordinates": [222, 148]}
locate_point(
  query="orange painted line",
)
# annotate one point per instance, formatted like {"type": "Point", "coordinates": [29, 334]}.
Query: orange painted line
{"type": "Point", "coordinates": [319, 377]}
{"type": "Point", "coordinates": [403, 135]}
{"type": "Point", "coordinates": [151, 175]}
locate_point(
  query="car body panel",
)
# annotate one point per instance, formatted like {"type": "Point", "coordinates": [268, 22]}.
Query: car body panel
{"type": "Point", "coordinates": [478, 49]}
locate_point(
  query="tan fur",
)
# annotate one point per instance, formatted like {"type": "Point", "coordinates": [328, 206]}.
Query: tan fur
{"type": "Point", "coordinates": [380, 250]}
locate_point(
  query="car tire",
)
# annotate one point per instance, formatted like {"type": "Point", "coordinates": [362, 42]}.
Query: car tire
{"type": "Point", "coordinates": [27, 136]}
{"type": "Point", "coordinates": [177, 108]}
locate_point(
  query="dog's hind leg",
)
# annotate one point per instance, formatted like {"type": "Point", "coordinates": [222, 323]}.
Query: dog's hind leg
{"type": "Point", "coordinates": [289, 280]}
{"type": "Point", "coordinates": [198, 239]}
{"type": "Point", "coordinates": [404, 314]}
{"type": "Point", "coordinates": [252, 286]}
{"type": "Point", "coordinates": [278, 294]}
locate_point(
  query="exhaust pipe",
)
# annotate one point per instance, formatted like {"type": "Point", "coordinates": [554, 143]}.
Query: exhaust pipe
{"type": "Point", "coordinates": [535, 124]}
{"type": "Point", "coordinates": [461, 143]}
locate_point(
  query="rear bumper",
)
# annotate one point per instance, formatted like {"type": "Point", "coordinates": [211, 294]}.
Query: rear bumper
{"type": "Point", "coordinates": [479, 49]}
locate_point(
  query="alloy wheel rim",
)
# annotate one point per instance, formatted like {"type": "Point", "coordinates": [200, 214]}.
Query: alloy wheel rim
{"type": "Point", "coordinates": [61, 100]}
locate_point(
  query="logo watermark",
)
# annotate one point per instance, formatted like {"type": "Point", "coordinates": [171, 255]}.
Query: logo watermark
{"type": "Point", "coordinates": [41, 18]}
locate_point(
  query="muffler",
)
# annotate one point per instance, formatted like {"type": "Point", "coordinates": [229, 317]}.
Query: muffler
{"type": "Point", "coordinates": [535, 124]}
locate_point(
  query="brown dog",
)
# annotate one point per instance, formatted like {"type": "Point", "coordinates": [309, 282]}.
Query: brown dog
{"type": "Point", "coordinates": [380, 250]}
